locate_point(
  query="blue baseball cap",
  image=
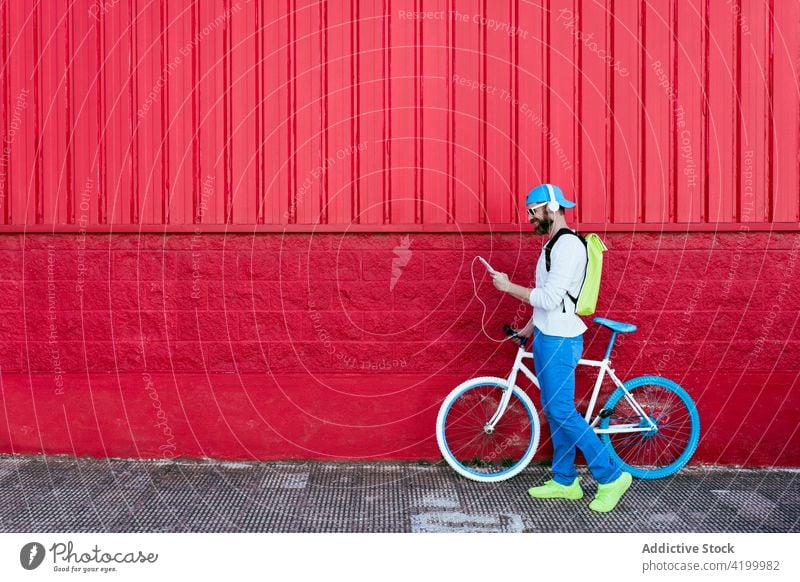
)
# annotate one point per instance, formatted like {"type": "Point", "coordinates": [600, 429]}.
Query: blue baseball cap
{"type": "Point", "coordinates": [543, 193]}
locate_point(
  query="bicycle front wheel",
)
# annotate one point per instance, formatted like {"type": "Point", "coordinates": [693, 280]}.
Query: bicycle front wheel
{"type": "Point", "coordinates": [658, 452]}
{"type": "Point", "coordinates": [480, 454]}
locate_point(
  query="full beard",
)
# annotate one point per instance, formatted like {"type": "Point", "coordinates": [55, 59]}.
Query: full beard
{"type": "Point", "coordinates": [543, 226]}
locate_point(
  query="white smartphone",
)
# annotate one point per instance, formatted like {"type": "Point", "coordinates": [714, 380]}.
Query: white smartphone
{"type": "Point", "coordinates": [488, 266]}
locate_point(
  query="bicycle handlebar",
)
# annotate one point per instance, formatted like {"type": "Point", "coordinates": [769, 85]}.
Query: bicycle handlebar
{"type": "Point", "coordinates": [509, 331]}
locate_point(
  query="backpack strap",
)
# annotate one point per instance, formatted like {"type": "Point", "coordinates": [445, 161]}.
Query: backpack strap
{"type": "Point", "coordinates": [549, 247]}
{"type": "Point", "coordinates": [552, 242]}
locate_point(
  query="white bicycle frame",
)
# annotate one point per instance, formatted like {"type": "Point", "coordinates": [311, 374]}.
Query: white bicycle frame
{"type": "Point", "coordinates": [605, 368]}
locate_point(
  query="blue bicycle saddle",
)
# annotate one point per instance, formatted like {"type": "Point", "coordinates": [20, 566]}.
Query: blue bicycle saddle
{"type": "Point", "coordinates": [615, 325]}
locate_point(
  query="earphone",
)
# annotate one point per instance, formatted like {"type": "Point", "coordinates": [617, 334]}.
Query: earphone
{"type": "Point", "coordinates": [553, 205]}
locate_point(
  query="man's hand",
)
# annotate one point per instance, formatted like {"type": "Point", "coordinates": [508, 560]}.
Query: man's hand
{"type": "Point", "coordinates": [527, 331]}
{"type": "Point", "coordinates": [501, 282]}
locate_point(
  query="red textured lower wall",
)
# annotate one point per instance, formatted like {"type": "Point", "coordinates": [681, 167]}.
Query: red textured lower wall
{"type": "Point", "coordinates": [342, 346]}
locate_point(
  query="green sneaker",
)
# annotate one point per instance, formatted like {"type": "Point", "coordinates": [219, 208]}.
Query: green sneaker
{"type": "Point", "coordinates": [554, 490]}
{"type": "Point", "coordinates": [608, 495]}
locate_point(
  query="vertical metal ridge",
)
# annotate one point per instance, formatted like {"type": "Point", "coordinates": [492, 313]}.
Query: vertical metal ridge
{"type": "Point", "coordinates": [292, 103]}
{"type": "Point", "coordinates": [356, 209]}
{"type": "Point", "coordinates": [794, 60]}
{"type": "Point", "coordinates": [102, 187]}
{"type": "Point", "coordinates": [353, 101]}
{"type": "Point", "coordinates": [642, 195]}
{"type": "Point", "coordinates": [195, 63]}
{"type": "Point", "coordinates": [260, 116]}
{"type": "Point", "coordinates": [162, 11]}
{"type": "Point", "coordinates": [68, 75]}
{"type": "Point", "coordinates": [324, 192]}
{"type": "Point", "coordinates": [5, 155]}
{"type": "Point", "coordinates": [386, 42]}
{"type": "Point", "coordinates": [133, 125]}
{"type": "Point", "coordinates": [417, 90]}
{"type": "Point", "coordinates": [673, 206]}
{"type": "Point", "coordinates": [737, 153]}
{"type": "Point", "coordinates": [417, 107]}
{"type": "Point", "coordinates": [263, 106]}
{"type": "Point", "coordinates": [419, 131]}
{"type": "Point", "coordinates": [484, 115]}
{"type": "Point", "coordinates": [770, 110]}
{"type": "Point", "coordinates": [514, 147]}
{"type": "Point", "coordinates": [577, 110]}
{"type": "Point", "coordinates": [420, 134]}
{"type": "Point", "coordinates": [610, 173]}
{"type": "Point", "coordinates": [38, 194]}
{"type": "Point", "coordinates": [546, 11]}
{"type": "Point", "coordinates": [706, 112]}
{"type": "Point", "coordinates": [227, 114]}
{"type": "Point", "coordinates": [451, 118]}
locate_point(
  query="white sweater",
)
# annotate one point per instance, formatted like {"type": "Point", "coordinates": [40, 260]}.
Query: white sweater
{"type": "Point", "coordinates": [567, 269]}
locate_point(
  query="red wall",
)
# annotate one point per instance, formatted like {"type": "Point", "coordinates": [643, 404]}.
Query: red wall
{"type": "Point", "coordinates": [354, 114]}
{"type": "Point", "coordinates": [394, 148]}
{"type": "Point", "coordinates": [270, 346]}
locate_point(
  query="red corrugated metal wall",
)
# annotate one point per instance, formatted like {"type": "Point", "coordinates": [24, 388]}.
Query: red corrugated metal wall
{"type": "Point", "coordinates": [364, 115]}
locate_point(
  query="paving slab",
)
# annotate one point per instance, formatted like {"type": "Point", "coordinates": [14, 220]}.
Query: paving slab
{"type": "Point", "coordinates": [58, 494]}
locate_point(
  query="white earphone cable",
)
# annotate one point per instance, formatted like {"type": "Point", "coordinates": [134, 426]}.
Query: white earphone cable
{"type": "Point", "coordinates": [485, 307]}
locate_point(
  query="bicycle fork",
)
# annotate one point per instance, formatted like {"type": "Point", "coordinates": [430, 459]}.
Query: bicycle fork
{"type": "Point", "coordinates": [511, 381]}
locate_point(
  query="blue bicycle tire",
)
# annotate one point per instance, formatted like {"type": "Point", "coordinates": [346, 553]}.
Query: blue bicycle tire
{"type": "Point", "coordinates": [620, 446]}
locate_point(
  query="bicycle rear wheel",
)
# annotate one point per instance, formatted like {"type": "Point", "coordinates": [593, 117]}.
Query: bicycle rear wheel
{"type": "Point", "coordinates": [660, 452]}
{"type": "Point", "coordinates": [472, 451]}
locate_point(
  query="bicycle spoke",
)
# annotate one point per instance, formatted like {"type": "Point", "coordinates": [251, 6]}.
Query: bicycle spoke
{"type": "Point", "coordinates": [652, 449]}
{"type": "Point", "coordinates": [487, 453]}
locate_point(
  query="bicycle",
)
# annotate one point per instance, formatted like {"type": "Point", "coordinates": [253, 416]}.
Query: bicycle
{"type": "Point", "coordinates": [488, 428]}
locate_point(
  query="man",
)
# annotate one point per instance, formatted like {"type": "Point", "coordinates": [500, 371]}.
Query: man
{"type": "Point", "coordinates": [557, 346]}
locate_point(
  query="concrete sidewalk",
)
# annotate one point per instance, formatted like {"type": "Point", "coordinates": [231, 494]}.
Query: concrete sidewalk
{"type": "Point", "coordinates": [58, 494]}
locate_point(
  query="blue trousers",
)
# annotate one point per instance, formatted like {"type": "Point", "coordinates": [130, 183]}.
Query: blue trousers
{"type": "Point", "coordinates": [555, 359]}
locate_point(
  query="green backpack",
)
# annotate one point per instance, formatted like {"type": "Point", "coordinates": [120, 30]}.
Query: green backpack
{"type": "Point", "coordinates": [586, 302]}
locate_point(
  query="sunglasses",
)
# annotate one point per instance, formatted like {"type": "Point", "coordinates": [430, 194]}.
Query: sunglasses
{"type": "Point", "coordinates": [530, 210]}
